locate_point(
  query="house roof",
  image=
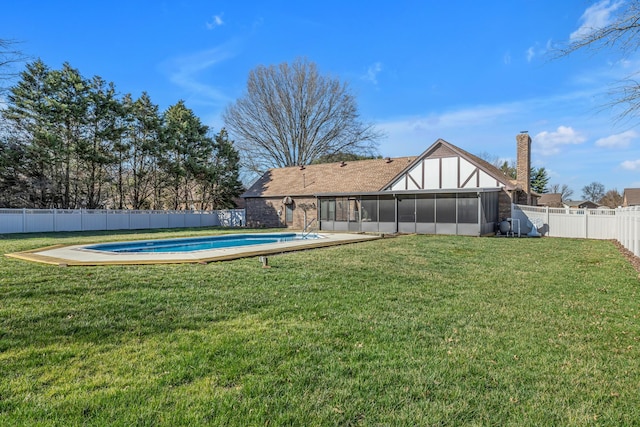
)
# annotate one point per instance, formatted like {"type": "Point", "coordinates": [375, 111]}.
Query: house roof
{"type": "Point", "coordinates": [631, 196]}
{"type": "Point", "coordinates": [552, 200]}
{"type": "Point", "coordinates": [580, 203]}
{"type": "Point", "coordinates": [344, 177]}
{"type": "Point", "coordinates": [361, 176]}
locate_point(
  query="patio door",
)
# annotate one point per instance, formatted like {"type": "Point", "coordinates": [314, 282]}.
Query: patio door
{"type": "Point", "coordinates": [407, 214]}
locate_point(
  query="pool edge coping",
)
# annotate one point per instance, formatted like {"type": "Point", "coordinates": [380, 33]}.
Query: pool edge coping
{"type": "Point", "coordinates": [33, 255]}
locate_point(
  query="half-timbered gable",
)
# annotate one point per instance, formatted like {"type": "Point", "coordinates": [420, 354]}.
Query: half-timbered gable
{"type": "Point", "coordinates": [446, 167]}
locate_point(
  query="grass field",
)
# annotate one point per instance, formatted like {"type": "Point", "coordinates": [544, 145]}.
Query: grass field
{"type": "Point", "coordinates": [413, 330]}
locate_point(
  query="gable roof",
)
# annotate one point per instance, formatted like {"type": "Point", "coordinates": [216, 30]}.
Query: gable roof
{"type": "Point", "coordinates": [631, 197]}
{"type": "Point", "coordinates": [552, 200]}
{"type": "Point", "coordinates": [581, 204]}
{"type": "Point", "coordinates": [442, 148]}
{"type": "Point", "coordinates": [358, 176]}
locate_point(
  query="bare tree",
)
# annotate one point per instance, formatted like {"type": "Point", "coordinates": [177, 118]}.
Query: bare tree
{"type": "Point", "coordinates": [9, 55]}
{"type": "Point", "coordinates": [563, 189]}
{"type": "Point", "coordinates": [292, 115]}
{"type": "Point", "coordinates": [593, 192]}
{"type": "Point", "coordinates": [617, 30]}
{"type": "Point", "coordinates": [612, 199]}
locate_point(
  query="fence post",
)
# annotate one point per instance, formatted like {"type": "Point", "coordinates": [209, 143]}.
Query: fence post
{"type": "Point", "coordinates": [634, 237]}
{"type": "Point", "coordinates": [586, 223]}
{"type": "Point", "coordinates": [24, 220]}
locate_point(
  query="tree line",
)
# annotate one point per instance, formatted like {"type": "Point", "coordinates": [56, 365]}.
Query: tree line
{"type": "Point", "coordinates": [70, 142]}
{"type": "Point", "coordinates": [594, 192]}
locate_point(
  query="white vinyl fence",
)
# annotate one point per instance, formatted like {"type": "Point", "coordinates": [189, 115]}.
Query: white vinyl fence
{"type": "Point", "coordinates": [622, 224]}
{"type": "Point", "coordinates": [45, 220]}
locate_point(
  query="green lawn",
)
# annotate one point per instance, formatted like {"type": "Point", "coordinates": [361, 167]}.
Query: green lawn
{"type": "Point", "coordinates": [413, 330]}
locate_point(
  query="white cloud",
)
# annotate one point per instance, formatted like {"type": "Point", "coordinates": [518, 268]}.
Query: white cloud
{"type": "Point", "coordinates": [466, 126]}
{"type": "Point", "coordinates": [185, 72]}
{"type": "Point", "coordinates": [549, 143]}
{"type": "Point", "coordinates": [453, 119]}
{"type": "Point", "coordinates": [372, 73]}
{"type": "Point", "coordinates": [596, 16]}
{"type": "Point", "coordinates": [530, 53]}
{"type": "Point", "coordinates": [620, 140]}
{"type": "Point", "coordinates": [632, 165]}
{"type": "Point", "coordinates": [216, 21]}
{"type": "Point", "coordinates": [507, 58]}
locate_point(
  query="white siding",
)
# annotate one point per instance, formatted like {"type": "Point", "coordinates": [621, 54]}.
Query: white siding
{"type": "Point", "coordinates": [400, 184]}
{"type": "Point", "coordinates": [466, 170]}
{"type": "Point", "coordinates": [444, 173]}
{"type": "Point", "coordinates": [450, 172]}
{"type": "Point", "coordinates": [416, 174]}
{"type": "Point", "coordinates": [487, 180]}
{"type": "Point", "coordinates": [431, 174]}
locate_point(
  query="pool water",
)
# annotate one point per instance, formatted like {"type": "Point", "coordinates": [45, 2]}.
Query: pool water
{"type": "Point", "coordinates": [198, 243]}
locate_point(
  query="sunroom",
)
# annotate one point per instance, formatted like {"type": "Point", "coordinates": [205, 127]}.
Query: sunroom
{"type": "Point", "coordinates": [470, 212]}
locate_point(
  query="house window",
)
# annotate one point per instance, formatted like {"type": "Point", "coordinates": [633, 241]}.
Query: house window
{"type": "Point", "coordinates": [288, 214]}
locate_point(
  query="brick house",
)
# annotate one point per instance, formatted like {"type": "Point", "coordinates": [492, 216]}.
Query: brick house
{"type": "Point", "coordinates": [445, 190]}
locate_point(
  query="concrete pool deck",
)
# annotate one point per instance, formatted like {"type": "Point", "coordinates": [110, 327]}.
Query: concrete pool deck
{"type": "Point", "coordinates": [79, 254]}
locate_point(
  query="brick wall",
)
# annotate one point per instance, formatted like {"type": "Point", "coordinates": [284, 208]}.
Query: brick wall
{"type": "Point", "coordinates": [262, 213]}
{"type": "Point", "coordinates": [523, 162]}
{"type": "Point", "coordinates": [270, 212]}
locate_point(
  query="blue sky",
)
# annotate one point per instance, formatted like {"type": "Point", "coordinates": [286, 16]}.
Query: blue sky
{"type": "Point", "coordinates": [474, 73]}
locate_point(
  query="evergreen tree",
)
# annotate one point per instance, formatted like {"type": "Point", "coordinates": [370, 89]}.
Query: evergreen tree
{"type": "Point", "coordinates": [539, 180]}
{"type": "Point", "coordinates": [143, 147]}
{"type": "Point", "coordinates": [67, 102]}
{"type": "Point", "coordinates": [222, 183]}
{"type": "Point", "coordinates": [96, 153]}
{"type": "Point", "coordinates": [69, 142]}
{"type": "Point", "coordinates": [26, 118]}
{"type": "Point", "coordinates": [184, 147]}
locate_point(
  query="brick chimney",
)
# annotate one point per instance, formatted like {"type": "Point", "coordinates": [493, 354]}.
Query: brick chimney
{"type": "Point", "coordinates": [523, 165]}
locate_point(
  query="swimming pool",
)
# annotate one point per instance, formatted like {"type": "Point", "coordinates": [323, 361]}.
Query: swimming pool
{"type": "Point", "coordinates": [99, 253]}
{"type": "Point", "coordinates": [194, 244]}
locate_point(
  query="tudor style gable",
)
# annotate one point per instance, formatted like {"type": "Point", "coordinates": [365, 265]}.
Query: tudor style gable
{"type": "Point", "coordinates": [444, 166]}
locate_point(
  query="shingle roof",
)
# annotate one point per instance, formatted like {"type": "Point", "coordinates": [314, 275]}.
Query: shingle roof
{"type": "Point", "coordinates": [349, 177]}
{"type": "Point", "coordinates": [552, 200]}
{"type": "Point", "coordinates": [580, 203]}
{"type": "Point", "coordinates": [631, 196]}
